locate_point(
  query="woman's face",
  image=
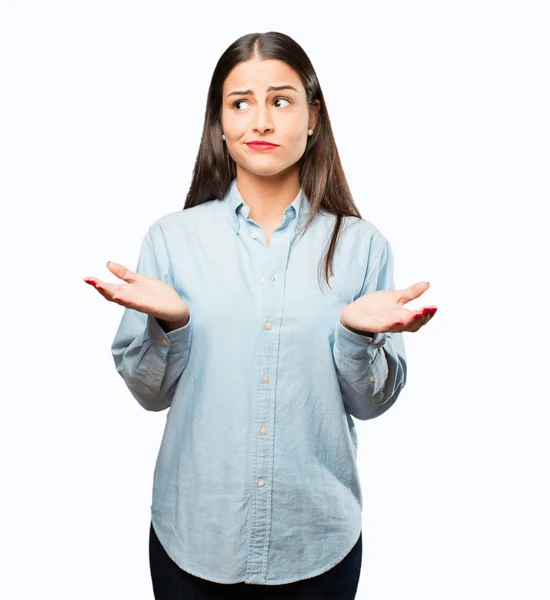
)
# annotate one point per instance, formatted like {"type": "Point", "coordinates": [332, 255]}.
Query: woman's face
{"type": "Point", "coordinates": [257, 113]}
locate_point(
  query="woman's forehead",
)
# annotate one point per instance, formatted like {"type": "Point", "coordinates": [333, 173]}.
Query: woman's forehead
{"type": "Point", "coordinates": [258, 75]}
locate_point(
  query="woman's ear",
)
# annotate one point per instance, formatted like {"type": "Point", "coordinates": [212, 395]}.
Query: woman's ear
{"type": "Point", "coordinates": [314, 113]}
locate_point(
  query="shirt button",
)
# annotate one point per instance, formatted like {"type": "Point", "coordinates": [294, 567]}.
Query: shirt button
{"type": "Point", "coordinates": [262, 279]}
{"type": "Point", "coordinates": [164, 342]}
{"type": "Point", "coordinates": [371, 378]}
{"type": "Point", "coordinates": [263, 430]}
{"type": "Point", "coordinates": [235, 226]}
{"type": "Point", "coordinates": [255, 234]}
{"type": "Point", "coordinates": [268, 325]}
{"type": "Point", "coordinates": [261, 482]}
{"type": "Point", "coordinates": [265, 378]}
{"type": "Point", "coordinates": [273, 278]}
{"type": "Point", "coordinates": [298, 227]}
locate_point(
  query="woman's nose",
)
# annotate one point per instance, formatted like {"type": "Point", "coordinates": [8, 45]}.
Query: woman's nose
{"type": "Point", "coordinates": [262, 120]}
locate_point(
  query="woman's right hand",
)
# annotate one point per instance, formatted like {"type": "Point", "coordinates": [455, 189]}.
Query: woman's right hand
{"type": "Point", "coordinates": [142, 293]}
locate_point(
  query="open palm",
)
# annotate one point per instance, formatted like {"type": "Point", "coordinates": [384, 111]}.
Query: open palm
{"type": "Point", "coordinates": [141, 292]}
{"type": "Point", "coordinates": [383, 311]}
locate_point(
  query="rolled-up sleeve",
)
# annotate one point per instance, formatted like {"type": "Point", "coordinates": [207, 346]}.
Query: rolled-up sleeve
{"type": "Point", "coordinates": [372, 371]}
{"type": "Point", "coordinates": [150, 360]}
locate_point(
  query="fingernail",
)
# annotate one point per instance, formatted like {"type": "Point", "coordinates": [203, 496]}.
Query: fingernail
{"type": "Point", "coordinates": [417, 316]}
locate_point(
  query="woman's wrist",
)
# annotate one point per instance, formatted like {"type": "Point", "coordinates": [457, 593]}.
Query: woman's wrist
{"type": "Point", "coordinates": [368, 333]}
{"type": "Point", "coordinates": [172, 325]}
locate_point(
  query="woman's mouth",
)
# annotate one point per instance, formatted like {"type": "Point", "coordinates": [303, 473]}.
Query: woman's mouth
{"type": "Point", "coordinates": [261, 146]}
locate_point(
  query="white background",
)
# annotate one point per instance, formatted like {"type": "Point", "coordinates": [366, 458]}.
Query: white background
{"type": "Point", "coordinates": [441, 116]}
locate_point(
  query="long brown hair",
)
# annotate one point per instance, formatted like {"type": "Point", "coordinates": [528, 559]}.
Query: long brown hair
{"type": "Point", "coordinates": [321, 174]}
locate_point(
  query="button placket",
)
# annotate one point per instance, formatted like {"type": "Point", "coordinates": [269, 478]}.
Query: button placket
{"type": "Point", "coordinates": [273, 267]}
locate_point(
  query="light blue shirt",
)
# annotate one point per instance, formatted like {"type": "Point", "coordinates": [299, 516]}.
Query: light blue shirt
{"type": "Point", "coordinates": [256, 477]}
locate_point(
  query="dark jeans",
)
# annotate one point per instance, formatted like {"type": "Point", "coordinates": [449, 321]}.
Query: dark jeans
{"type": "Point", "coordinates": [170, 582]}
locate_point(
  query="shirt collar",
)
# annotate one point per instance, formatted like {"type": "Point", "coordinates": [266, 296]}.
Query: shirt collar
{"type": "Point", "coordinates": [233, 202]}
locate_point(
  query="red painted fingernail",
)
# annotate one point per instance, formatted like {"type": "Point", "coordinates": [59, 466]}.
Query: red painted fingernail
{"type": "Point", "coordinates": [417, 316]}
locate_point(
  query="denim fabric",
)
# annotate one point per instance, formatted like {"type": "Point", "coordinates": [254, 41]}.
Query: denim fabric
{"type": "Point", "coordinates": [256, 477]}
{"type": "Point", "coordinates": [172, 583]}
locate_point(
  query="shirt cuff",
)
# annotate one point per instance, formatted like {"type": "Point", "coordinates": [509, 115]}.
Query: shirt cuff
{"type": "Point", "coordinates": [176, 340]}
{"type": "Point", "coordinates": [353, 344]}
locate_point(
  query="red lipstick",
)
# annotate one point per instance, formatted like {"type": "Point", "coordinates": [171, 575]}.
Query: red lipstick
{"type": "Point", "coordinates": [261, 145]}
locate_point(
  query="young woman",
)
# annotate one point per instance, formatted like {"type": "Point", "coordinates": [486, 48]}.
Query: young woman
{"type": "Point", "coordinates": [262, 363]}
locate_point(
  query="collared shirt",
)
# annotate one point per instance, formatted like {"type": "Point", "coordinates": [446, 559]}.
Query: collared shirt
{"type": "Point", "coordinates": [256, 477]}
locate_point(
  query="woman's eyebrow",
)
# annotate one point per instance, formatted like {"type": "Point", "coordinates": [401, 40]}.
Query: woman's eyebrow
{"type": "Point", "coordinates": [271, 88]}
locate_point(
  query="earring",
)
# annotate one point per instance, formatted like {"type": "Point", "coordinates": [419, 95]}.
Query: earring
{"type": "Point", "coordinates": [223, 136]}
{"type": "Point", "coordinates": [310, 132]}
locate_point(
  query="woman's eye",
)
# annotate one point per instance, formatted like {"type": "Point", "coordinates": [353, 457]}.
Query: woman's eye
{"type": "Point", "coordinates": [283, 99]}
{"type": "Point", "coordinates": [278, 99]}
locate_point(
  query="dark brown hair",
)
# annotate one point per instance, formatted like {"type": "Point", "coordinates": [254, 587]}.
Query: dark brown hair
{"type": "Point", "coordinates": [321, 174]}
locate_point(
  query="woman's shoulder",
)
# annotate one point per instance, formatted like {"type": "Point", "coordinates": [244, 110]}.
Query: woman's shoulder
{"type": "Point", "coordinates": [193, 216]}
{"type": "Point", "coordinates": [364, 230]}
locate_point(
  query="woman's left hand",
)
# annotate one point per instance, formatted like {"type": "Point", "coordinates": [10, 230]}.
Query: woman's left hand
{"type": "Point", "coordinates": [383, 311]}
